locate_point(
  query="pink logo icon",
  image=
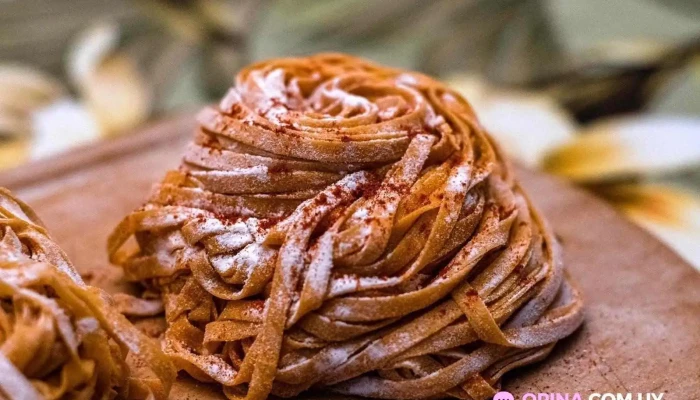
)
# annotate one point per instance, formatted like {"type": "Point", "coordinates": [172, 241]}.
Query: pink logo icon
{"type": "Point", "coordinates": [503, 396]}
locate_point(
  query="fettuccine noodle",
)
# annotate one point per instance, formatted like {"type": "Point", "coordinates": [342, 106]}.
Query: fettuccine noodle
{"type": "Point", "coordinates": [60, 338]}
{"type": "Point", "coordinates": [344, 226]}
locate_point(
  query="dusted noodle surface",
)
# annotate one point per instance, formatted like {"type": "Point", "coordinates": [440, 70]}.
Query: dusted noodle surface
{"type": "Point", "coordinates": [61, 338]}
{"type": "Point", "coordinates": [344, 226]}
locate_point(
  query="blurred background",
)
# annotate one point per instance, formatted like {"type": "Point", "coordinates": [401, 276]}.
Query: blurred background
{"type": "Point", "coordinates": [604, 93]}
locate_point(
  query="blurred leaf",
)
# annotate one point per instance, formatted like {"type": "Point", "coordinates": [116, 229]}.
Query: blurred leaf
{"type": "Point", "coordinates": [583, 25]}
{"type": "Point", "coordinates": [182, 21]}
{"type": "Point", "coordinates": [625, 53]}
{"type": "Point", "coordinates": [228, 16]}
{"type": "Point", "coordinates": [181, 88]}
{"type": "Point", "coordinates": [506, 40]}
{"type": "Point", "coordinates": [682, 6]}
{"type": "Point", "coordinates": [595, 90]}
{"type": "Point", "coordinates": [39, 32]}
{"type": "Point", "coordinates": [671, 213]}
{"type": "Point", "coordinates": [219, 30]}
{"type": "Point", "coordinates": [689, 179]}
{"type": "Point", "coordinates": [627, 147]}
{"type": "Point", "coordinates": [679, 95]}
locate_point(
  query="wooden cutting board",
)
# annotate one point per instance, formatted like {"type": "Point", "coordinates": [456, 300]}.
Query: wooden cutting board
{"type": "Point", "coordinates": [642, 329]}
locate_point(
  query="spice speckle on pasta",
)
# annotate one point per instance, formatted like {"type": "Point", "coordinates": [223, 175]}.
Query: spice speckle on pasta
{"type": "Point", "coordinates": [338, 225]}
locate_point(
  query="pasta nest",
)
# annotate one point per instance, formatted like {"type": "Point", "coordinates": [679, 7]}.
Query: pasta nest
{"type": "Point", "coordinates": [61, 338]}
{"type": "Point", "coordinates": [345, 226]}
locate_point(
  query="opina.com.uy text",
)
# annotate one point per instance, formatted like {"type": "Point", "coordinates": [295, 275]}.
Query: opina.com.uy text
{"type": "Point", "coordinates": [579, 396]}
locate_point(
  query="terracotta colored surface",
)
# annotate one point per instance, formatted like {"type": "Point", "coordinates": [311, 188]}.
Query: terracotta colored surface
{"type": "Point", "coordinates": [642, 332]}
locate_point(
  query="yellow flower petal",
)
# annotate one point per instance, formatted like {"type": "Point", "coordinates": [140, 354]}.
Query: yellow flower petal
{"type": "Point", "coordinates": [13, 152]}
{"type": "Point", "coordinates": [628, 147]}
{"type": "Point", "coordinates": [671, 213]}
{"type": "Point", "coordinates": [13, 125]}
{"type": "Point", "coordinates": [526, 125]}
{"type": "Point", "coordinates": [117, 94]}
{"type": "Point", "coordinates": [25, 88]}
{"type": "Point", "coordinates": [62, 126]}
{"type": "Point", "coordinates": [109, 80]}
